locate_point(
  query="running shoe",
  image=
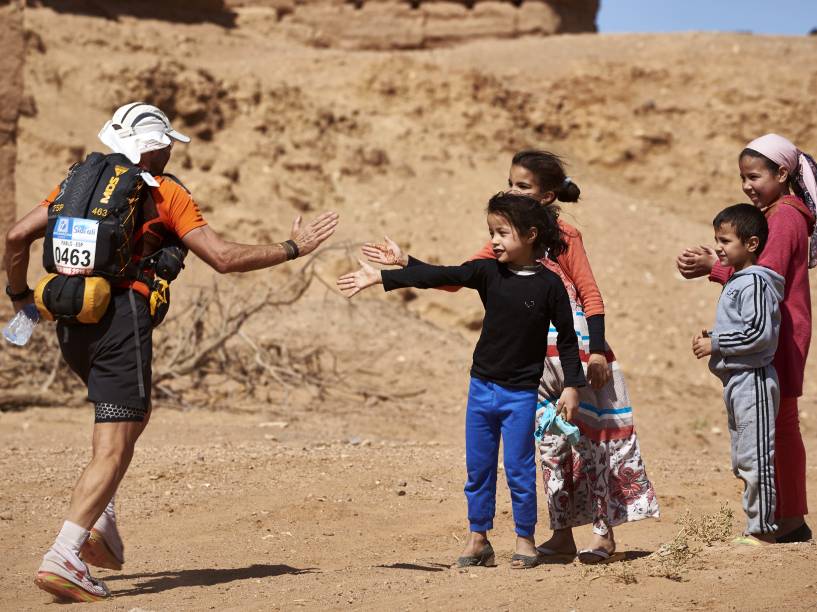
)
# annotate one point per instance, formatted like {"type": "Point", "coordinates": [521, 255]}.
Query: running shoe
{"type": "Point", "coordinates": [104, 547]}
{"type": "Point", "coordinates": [65, 575]}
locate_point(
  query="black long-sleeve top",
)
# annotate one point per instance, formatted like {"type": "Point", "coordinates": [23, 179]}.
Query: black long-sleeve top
{"type": "Point", "coordinates": [518, 311]}
{"type": "Point", "coordinates": [595, 323]}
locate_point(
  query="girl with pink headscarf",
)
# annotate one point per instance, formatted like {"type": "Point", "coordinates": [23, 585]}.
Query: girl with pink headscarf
{"type": "Point", "coordinates": [780, 180]}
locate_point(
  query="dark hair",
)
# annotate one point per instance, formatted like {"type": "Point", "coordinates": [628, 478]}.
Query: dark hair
{"type": "Point", "coordinates": [524, 212]}
{"type": "Point", "coordinates": [747, 221]}
{"type": "Point", "coordinates": [773, 167]}
{"type": "Point", "coordinates": [548, 168]}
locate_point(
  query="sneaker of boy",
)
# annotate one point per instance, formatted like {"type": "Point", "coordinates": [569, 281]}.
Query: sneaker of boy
{"type": "Point", "coordinates": [65, 575]}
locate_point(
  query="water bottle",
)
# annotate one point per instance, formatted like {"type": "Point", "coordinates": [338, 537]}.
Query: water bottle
{"type": "Point", "coordinates": [19, 329]}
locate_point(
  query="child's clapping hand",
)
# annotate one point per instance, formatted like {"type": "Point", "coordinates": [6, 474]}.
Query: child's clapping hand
{"type": "Point", "coordinates": [352, 283]}
{"type": "Point", "coordinates": [702, 345]}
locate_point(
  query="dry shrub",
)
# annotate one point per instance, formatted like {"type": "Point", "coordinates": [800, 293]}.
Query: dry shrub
{"type": "Point", "coordinates": [35, 375]}
{"type": "Point", "coordinates": [671, 559]}
{"type": "Point", "coordinates": [709, 528]}
{"type": "Point", "coordinates": [204, 357]}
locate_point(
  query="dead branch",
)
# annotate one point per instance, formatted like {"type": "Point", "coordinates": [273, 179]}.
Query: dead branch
{"type": "Point", "coordinates": [203, 356]}
{"type": "Point", "coordinates": [17, 400]}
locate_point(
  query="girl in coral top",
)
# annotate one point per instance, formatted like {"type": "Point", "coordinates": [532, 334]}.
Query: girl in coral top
{"type": "Point", "coordinates": [601, 481]}
{"type": "Point", "coordinates": [780, 180]}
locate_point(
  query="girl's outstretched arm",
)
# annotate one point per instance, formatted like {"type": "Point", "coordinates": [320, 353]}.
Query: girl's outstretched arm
{"type": "Point", "coordinates": [389, 253]}
{"type": "Point", "coordinates": [352, 283]}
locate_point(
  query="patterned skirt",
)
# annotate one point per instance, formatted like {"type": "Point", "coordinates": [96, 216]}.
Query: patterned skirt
{"type": "Point", "coordinates": [602, 480]}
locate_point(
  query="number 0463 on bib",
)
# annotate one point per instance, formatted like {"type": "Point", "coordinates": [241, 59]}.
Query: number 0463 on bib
{"type": "Point", "coordinates": [74, 245]}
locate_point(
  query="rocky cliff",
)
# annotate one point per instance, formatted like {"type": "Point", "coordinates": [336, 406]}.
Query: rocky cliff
{"type": "Point", "coordinates": [11, 92]}
{"type": "Point", "coordinates": [418, 24]}
{"type": "Point", "coordinates": [363, 24]}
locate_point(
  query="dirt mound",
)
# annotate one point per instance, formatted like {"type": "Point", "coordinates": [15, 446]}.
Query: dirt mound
{"type": "Point", "coordinates": [200, 102]}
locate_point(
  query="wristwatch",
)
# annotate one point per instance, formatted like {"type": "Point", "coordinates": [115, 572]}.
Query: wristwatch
{"type": "Point", "coordinates": [16, 297]}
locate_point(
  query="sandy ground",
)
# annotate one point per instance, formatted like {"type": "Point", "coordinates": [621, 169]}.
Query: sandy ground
{"type": "Point", "coordinates": [358, 504]}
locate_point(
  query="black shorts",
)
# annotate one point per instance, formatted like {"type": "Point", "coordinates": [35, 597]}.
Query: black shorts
{"type": "Point", "coordinates": [104, 354]}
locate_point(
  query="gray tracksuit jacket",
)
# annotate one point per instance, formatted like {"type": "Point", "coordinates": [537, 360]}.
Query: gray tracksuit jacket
{"type": "Point", "coordinates": [747, 323]}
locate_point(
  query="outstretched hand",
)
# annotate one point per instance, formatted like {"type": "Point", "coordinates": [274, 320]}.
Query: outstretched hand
{"type": "Point", "coordinates": [696, 261]}
{"type": "Point", "coordinates": [387, 253]}
{"type": "Point", "coordinates": [352, 283]}
{"type": "Point", "coordinates": [310, 237]}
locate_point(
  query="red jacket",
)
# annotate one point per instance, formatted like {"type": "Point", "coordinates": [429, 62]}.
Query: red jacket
{"type": "Point", "coordinates": [786, 252]}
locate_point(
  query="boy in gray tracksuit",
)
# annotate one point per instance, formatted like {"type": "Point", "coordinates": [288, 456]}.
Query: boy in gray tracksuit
{"type": "Point", "coordinates": [741, 347]}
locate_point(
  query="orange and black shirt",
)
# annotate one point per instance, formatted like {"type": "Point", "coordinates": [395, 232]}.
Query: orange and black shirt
{"type": "Point", "coordinates": [167, 216]}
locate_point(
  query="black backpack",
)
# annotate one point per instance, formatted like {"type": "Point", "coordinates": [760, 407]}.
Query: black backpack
{"type": "Point", "coordinates": [92, 220]}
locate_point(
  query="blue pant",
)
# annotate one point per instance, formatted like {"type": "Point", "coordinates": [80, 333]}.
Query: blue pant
{"type": "Point", "coordinates": [494, 410]}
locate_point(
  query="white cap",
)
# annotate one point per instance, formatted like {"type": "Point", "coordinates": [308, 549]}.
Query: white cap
{"type": "Point", "coordinates": [137, 128]}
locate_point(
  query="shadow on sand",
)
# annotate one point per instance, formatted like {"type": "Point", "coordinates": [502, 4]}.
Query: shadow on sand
{"type": "Point", "coordinates": [162, 581]}
{"type": "Point", "coordinates": [428, 567]}
{"type": "Point", "coordinates": [629, 555]}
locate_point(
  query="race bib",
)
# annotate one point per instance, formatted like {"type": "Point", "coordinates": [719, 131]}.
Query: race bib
{"type": "Point", "coordinates": [74, 242]}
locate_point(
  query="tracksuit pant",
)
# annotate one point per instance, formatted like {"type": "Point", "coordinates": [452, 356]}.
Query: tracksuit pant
{"type": "Point", "coordinates": [752, 399]}
{"type": "Point", "coordinates": [495, 411]}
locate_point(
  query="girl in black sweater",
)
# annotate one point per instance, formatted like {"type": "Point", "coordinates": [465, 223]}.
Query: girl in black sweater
{"type": "Point", "coordinates": [521, 299]}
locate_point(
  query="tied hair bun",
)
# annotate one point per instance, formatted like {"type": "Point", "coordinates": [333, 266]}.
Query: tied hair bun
{"type": "Point", "coordinates": [568, 191]}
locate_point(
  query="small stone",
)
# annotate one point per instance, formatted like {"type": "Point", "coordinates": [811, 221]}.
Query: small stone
{"type": "Point", "coordinates": [401, 492]}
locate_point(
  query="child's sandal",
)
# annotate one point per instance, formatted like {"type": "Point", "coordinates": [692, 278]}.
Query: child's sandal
{"type": "Point", "coordinates": [485, 558]}
{"type": "Point", "coordinates": [526, 561]}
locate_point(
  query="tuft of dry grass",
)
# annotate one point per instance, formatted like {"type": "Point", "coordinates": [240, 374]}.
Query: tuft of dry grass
{"type": "Point", "coordinates": [671, 559]}
{"type": "Point", "coordinates": [709, 528]}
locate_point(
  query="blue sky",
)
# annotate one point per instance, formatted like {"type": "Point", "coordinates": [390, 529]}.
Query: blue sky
{"type": "Point", "coordinates": [759, 16]}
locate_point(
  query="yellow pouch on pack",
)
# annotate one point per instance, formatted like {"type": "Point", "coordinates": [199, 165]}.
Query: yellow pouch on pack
{"type": "Point", "coordinates": [73, 299]}
{"type": "Point", "coordinates": [159, 301]}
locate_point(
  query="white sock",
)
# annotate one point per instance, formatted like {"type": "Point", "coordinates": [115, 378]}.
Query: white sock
{"type": "Point", "coordinates": [72, 536]}
{"type": "Point", "coordinates": [108, 514]}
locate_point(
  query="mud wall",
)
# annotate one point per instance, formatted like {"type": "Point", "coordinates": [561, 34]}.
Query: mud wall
{"type": "Point", "coordinates": [11, 92]}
